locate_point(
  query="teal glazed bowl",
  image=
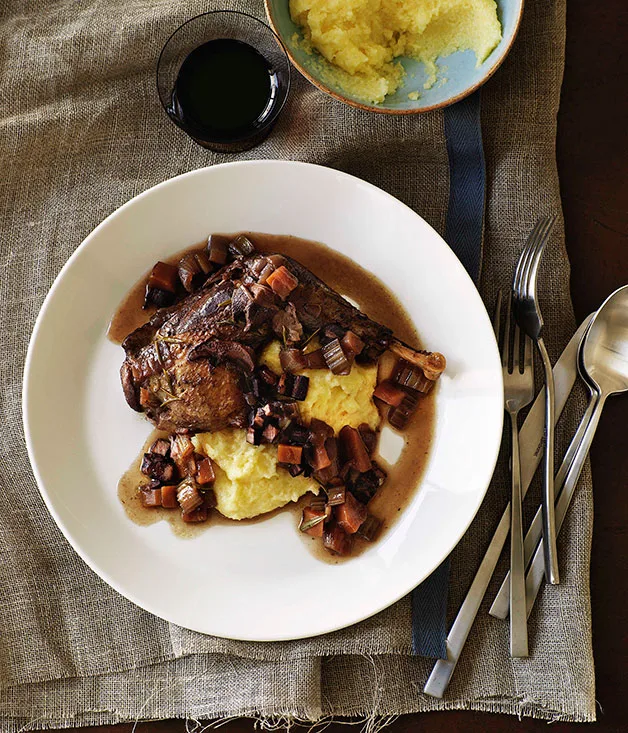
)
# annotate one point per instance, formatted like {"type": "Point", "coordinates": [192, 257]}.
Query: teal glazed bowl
{"type": "Point", "coordinates": [460, 76]}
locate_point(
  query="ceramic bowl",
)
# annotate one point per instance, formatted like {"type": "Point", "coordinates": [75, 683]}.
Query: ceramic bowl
{"type": "Point", "coordinates": [460, 74]}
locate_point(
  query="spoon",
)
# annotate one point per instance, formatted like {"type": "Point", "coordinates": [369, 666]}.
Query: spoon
{"type": "Point", "coordinates": [603, 365]}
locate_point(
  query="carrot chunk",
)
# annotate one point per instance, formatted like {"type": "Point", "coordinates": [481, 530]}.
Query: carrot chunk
{"type": "Point", "coordinates": [282, 282]}
{"type": "Point", "coordinates": [336, 540]}
{"type": "Point", "coordinates": [163, 277]}
{"type": "Point", "coordinates": [350, 515]}
{"type": "Point", "coordinates": [150, 498]}
{"type": "Point", "coordinates": [389, 393]}
{"type": "Point", "coordinates": [289, 453]}
{"type": "Point", "coordinates": [354, 450]}
{"type": "Point", "coordinates": [204, 471]}
{"type": "Point", "coordinates": [169, 497]}
{"type": "Point", "coordinates": [195, 516]}
{"type": "Point", "coordinates": [313, 521]}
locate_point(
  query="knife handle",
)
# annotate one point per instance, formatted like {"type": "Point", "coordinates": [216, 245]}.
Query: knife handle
{"type": "Point", "coordinates": [549, 505]}
{"type": "Point", "coordinates": [444, 668]}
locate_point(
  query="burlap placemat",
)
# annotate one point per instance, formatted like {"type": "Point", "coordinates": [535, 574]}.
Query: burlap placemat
{"type": "Point", "coordinates": [81, 132]}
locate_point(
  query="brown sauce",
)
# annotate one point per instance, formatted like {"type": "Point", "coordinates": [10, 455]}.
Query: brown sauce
{"type": "Point", "coordinates": [374, 299]}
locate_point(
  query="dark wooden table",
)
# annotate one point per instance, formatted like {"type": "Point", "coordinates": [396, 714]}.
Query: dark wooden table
{"type": "Point", "coordinates": [593, 165]}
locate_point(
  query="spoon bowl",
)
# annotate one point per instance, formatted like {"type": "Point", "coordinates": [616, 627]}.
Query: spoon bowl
{"type": "Point", "coordinates": [604, 355]}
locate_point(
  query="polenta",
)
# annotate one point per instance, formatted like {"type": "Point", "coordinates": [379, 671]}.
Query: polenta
{"type": "Point", "coordinates": [338, 400]}
{"type": "Point", "coordinates": [362, 39]}
{"type": "Point", "coordinates": [248, 480]}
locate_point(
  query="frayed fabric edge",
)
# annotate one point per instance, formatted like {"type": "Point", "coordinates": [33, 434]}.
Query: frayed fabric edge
{"type": "Point", "coordinates": [370, 723]}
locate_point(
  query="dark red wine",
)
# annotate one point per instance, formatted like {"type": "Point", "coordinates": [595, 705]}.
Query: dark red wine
{"type": "Point", "coordinates": [225, 91]}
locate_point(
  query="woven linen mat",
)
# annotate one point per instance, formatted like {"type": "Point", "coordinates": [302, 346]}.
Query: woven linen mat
{"type": "Point", "coordinates": [81, 132]}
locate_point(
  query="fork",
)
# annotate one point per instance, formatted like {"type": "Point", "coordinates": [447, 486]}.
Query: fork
{"type": "Point", "coordinates": [518, 393]}
{"type": "Point", "coordinates": [528, 316]}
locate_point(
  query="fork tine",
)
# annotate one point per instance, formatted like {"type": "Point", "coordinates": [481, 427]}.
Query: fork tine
{"type": "Point", "coordinates": [506, 333]}
{"type": "Point", "coordinates": [516, 363]}
{"type": "Point", "coordinates": [528, 360]}
{"type": "Point", "coordinates": [518, 278]}
{"type": "Point", "coordinates": [535, 258]}
{"type": "Point", "coordinates": [497, 315]}
{"type": "Point", "coordinates": [525, 259]}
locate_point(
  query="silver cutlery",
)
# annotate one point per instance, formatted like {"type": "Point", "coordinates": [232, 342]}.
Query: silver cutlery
{"type": "Point", "coordinates": [563, 482]}
{"type": "Point", "coordinates": [518, 378]}
{"type": "Point", "coordinates": [528, 316]}
{"type": "Point", "coordinates": [603, 365]}
{"type": "Point", "coordinates": [530, 441]}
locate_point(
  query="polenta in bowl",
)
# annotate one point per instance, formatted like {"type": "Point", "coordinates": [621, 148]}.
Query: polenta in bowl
{"type": "Point", "coordinates": [396, 57]}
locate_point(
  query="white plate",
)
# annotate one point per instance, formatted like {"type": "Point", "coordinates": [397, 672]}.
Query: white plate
{"type": "Point", "coordinates": [254, 582]}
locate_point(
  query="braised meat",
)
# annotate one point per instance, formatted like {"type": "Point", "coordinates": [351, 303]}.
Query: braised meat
{"type": "Point", "coordinates": [188, 367]}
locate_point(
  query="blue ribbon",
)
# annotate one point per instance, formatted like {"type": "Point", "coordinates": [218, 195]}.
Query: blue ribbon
{"type": "Point", "coordinates": [463, 233]}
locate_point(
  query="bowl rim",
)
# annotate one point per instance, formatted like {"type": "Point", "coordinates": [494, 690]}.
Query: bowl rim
{"type": "Point", "coordinates": [384, 110]}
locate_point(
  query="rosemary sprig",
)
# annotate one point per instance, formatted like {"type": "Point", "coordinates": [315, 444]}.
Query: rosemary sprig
{"type": "Point", "coordinates": [304, 526]}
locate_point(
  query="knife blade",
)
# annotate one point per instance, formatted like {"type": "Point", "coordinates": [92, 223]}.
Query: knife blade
{"type": "Point", "coordinates": [531, 450]}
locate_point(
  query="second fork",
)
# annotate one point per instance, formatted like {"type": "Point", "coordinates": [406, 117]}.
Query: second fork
{"type": "Point", "coordinates": [518, 376]}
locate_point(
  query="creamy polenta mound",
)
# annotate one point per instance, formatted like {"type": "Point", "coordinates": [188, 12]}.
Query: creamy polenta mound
{"type": "Point", "coordinates": [248, 480]}
{"type": "Point", "coordinates": [362, 39]}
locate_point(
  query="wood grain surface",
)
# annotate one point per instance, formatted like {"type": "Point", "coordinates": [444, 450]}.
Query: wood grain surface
{"type": "Point", "coordinates": [593, 164]}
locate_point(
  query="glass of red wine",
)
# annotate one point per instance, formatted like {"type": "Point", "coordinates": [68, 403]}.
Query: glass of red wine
{"type": "Point", "coordinates": [223, 77]}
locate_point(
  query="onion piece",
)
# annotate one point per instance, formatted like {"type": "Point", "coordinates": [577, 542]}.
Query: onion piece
{"type": "Point", "coordinates": [218, 248]}
{"type": "Point", "coordinates": [315, 360]}
{"type": "Point", "coordinates": [161, 446]}
{"type": "Point", "coordinates": [254, 435]}
{"type": "Point", "coordinates": [369, 529]}
{"type": "Point", "coordinates": [241, 246]}
{"type": "Point", "coordinates": [158, 467]}
{"type": "Point", "coordinates": [335, 495]}
{"type": "Point", "coordinates": [191, 274]}
{"type": "Point", "coordinates": [335, 357]}
{"type": "Point", "coordinates": [270, 433]}
{"type": "Point", "coordinates": [157, 296]}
